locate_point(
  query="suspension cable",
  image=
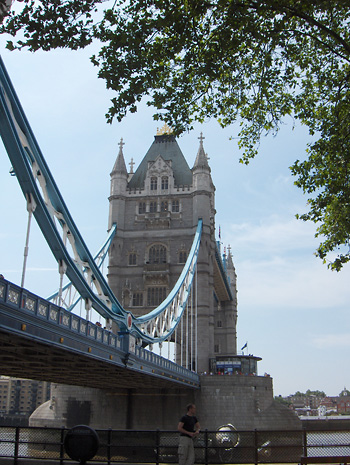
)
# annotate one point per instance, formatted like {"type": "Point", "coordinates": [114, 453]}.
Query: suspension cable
{"type": "Point", "coordinates": [196, 320]}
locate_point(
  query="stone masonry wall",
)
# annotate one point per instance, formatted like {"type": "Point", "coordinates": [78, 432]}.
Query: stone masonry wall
{"type": "Point", "coordinates": [243, 401]}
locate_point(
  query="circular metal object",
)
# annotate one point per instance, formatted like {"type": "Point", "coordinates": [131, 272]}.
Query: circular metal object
{"type": "Point", "coordinates": [81, 443]}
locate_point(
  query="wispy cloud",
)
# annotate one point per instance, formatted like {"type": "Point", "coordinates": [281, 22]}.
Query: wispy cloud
{"type": "Point", "coordinates": [331, 341]}
{"type": "Point", "coordinates": [273, 233]}
{"type": "Point", "coordinates": [276, 267]}
{"type": "Point", "coordinates": [29, 269]}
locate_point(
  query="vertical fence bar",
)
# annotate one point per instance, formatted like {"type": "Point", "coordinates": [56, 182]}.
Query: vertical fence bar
{"type": "Point", "coordinates": [256, 448]}
{"type": "Point", "coordinates": [304, 443]}
{"type": "Point", "coordinates": [206, 455]}
{"type": "Point", "coordinates": [109, 439]}
{"type": "Point", "coordinates": [15, 461]}
{"type": "Point", "coordinates": [62, 446]}
{"type": "Point", "coordinates": [157, 446]}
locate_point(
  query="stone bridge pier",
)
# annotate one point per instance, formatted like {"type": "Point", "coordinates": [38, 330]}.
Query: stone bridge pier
{"type": "Point", "coordinates": [243, 401]}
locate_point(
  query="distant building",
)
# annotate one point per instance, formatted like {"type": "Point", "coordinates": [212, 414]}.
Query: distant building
{"type": "Point", "coordinates": [22, 396]}
{"type": "Point", "coordinates": [317, 405]}
{"type": "Point", "coordinates": [304, 404]}
{"type": "Point", "coordinates": [343, 405]}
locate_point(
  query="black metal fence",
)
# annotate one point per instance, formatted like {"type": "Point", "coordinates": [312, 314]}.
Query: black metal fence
{"type": "Point", "coordinates": [20, 445]}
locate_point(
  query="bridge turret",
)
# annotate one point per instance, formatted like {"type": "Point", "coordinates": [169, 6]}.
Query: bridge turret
{"type": "Point", "coordinates": [231, 273]}
{"type": "Point", "coordinates": [228, 344]}
{"type": "Point", "coordinates": [119, 180]}
{"type": "Point", "coordinates": [203, 189]}
{"type": "Point", "coordinates": [204, 207]}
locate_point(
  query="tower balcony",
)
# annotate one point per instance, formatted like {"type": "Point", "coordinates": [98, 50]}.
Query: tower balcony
{"type": "Point", "coordinates": [156, 268]}
{"type": "Point", "coordinates": [156, 272]}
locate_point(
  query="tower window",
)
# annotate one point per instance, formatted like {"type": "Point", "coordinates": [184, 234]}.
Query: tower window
{"type": "Point", "coordinates": [182, 256]}
{"type": "Point", "coordinates": [137, 299]}
{"type": "Point", "coordinates": [132, 258]}
{"type": "Point", "coordinates": [154, 183]}
{"type": "Point", "coordinates": [165, 183]}
{"type": "Point", "coordinates": [155, 295]}
{"type": "Point", "coordinates": [175, 206]}
{"type": "Point", "coordinates": [142, 208]}
{"type": "Point", "coordinates": [153, 207]}
{"type": "Point", "coordinates": [157, 254]}
{"type": "Point", "coordinates": [219, 324]}
{"type": "Point", "coordinates": [164, 206]}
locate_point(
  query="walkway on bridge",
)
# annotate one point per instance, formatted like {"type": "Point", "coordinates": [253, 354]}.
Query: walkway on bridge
{"type": "Point", "coordinates": [39, 340]}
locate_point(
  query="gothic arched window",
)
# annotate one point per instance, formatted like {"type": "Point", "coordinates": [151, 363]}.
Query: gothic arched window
{"type": "Point", "coordinates": [154, 183]}
{"type": "Point", "coordinates": [157, 254]}
{"type": "Point", "coordinates": [182, 256]}
{"type": "Point", "coordinates": [142, 208]}
{"type": "Point", "coordinates": [165, 183]}
{"type": "Point", "coordinates": [155, 296]}
{"type": "Point", "coordinates": [175, 207]}
{"type": "Point", "coordinates": [137, 299]}
{"type": "Point", "coordinates": [164, 206]}
{"type": "Point", "coordinates": [132, 258]}
{"type": "Point", "coordinates": [153, 207]}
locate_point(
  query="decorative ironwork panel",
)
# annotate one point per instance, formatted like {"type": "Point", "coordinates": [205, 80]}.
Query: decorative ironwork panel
{"type": "Point", "coordinates": [29, 304]}
{"type": "Point", "coordinates": [2, 291]}
{"type": "Point", "coordinates": [53, 315]}
{"type": "Point", "coordinates": [13, 296]}
{"type": "Point", "coordinates": [42, 310]}
{"type": "Point", "coordinates": [83, 327]}
{"type": "Point", "coordinates": [65, 319]}
{"type": "Point", "coordinates": [75, 324]}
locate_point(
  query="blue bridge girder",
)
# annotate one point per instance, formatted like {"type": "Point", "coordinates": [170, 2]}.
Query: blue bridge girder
{"type": "Point", "coordinates": [39, 340]}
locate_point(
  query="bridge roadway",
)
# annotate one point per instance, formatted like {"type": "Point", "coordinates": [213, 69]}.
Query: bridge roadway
{"type": "Point", "coordinates": [39, 340]}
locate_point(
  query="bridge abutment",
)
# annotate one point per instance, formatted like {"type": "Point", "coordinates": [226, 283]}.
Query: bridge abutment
{"type": "Point", "coordinates": [243, 401]}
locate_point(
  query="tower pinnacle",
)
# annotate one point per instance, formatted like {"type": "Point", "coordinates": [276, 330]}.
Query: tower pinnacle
{"type": "Point", "coordinates": [119, 165]}
{"type": "Point", "coordinates": [201, 159]}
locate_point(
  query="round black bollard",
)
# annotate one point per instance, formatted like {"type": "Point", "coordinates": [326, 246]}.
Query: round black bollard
{"type": "Point", "coordinates": [81, 443]}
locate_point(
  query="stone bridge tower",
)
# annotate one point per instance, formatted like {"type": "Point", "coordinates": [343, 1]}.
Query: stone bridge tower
{"type": "Point", "coordinates": [157, 209]}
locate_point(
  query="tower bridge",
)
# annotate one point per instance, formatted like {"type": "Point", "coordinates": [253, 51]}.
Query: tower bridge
{"type": "Point", "coordinates": [42, 341]}
{"type": "Point", "coordinates": [168, 283]}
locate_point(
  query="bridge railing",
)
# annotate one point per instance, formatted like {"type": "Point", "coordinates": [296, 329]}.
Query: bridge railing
{"type": "Point", "coordinates": [21, 444]}
{"type": "Point", "coordinates": [21, 299]}
{"type": "Point", "coordinates": [37, 310]}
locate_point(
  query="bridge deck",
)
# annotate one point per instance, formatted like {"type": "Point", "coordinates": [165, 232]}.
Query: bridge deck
{"type": "Point", "coordinates": [39, 340]}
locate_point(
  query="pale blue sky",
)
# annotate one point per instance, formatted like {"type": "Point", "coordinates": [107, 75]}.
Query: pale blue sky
{"type": "Point", "coordinates": [293, 312]}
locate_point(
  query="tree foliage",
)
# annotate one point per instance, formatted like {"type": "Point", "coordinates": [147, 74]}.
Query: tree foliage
{"type": "Point", "coordinates": [315, 393]}
{"type": "Point", "coordinates": [247, 61]}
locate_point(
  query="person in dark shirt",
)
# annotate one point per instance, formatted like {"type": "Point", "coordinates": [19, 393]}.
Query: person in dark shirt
{"type": "Point", "coordinates": [189, 428]}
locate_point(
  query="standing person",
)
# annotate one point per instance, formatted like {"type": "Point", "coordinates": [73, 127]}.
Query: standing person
{"type": "Point", "coordinates": [189, 428]}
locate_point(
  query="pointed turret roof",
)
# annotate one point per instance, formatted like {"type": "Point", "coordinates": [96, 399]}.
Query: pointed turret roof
{"type": "Point", "coordinates": [167, 147]}
{"type": "Point", "coordinates": [119, 165]}
{"type": "Point", "coordinates": [230, 264]}
{"type": "Point", "coordinates": [201, 159]}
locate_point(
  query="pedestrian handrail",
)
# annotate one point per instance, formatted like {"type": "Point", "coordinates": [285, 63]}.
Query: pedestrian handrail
{"type": "Point", "coordinates": [19, 445]}
{"type": "Point", "coordinates": [333, 459]}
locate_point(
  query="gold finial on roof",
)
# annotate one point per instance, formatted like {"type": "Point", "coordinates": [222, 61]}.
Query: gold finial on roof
{"type": "Point", "coordinates": [164, 130]}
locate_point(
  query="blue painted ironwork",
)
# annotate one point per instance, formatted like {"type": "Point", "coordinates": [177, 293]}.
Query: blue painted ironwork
{"type": "Point", "coordinates": [69, 298]}
{"type": "Point", "coordinates": [27, 315]}
{"type": "Point", "coordinates": [222, 270]}
{"type": "Point", "coordinates": [58, 227]}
